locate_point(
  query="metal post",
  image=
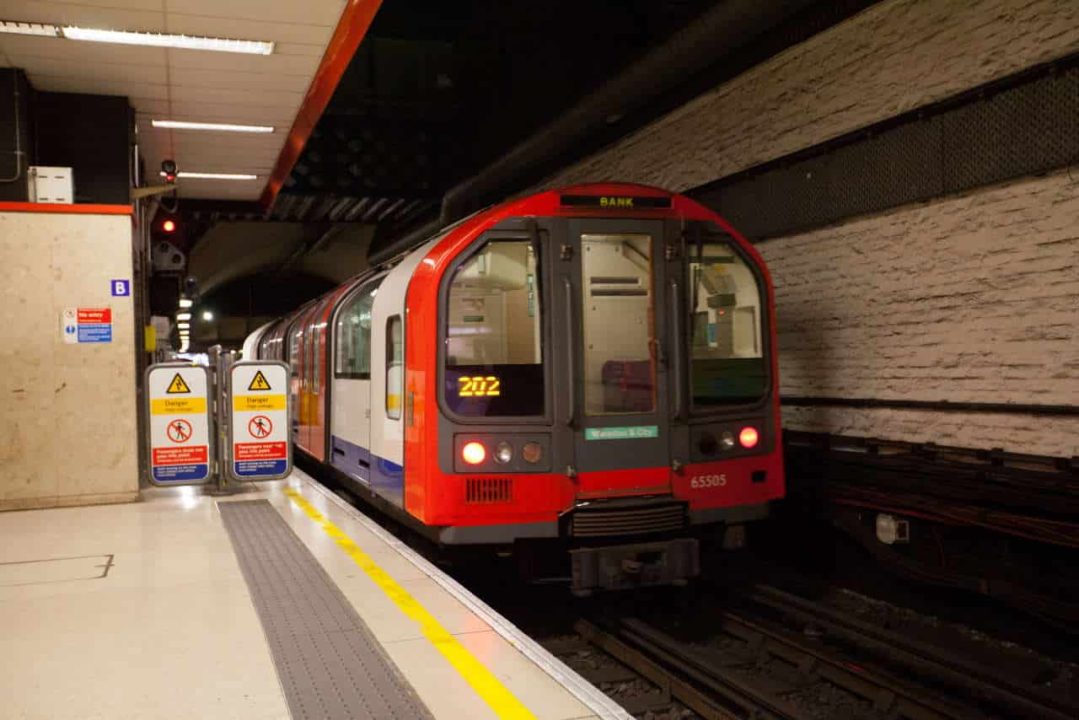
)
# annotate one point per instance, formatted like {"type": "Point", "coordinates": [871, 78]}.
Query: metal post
{"type": "Point", "coordinates": [219, 363]}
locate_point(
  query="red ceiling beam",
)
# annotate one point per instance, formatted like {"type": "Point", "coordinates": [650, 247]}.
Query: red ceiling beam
{"type": "Point", "coordinates": [351, 29]}
{"type": "Point", "coordinates": [66, 209]}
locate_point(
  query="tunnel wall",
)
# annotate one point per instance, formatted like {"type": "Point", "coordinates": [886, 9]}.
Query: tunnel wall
{"type": "Point", "coordinates": [968, 298]}
{"type": "Point", "coordinates": [68, 417]}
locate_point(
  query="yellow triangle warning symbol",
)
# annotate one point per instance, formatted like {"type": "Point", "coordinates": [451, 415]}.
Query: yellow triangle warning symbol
{"type": "Point", "coordinates": [177, 386]}
{"type": "Point", "coordinates": [259, 382]}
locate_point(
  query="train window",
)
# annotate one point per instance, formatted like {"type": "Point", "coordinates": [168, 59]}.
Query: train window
{"type": "Point", "coordinates": [726, 346]}
{"type": "Point", "coordinates": [294, 348]}
{"type": "Point", "coordinates": [316, 359]}
{"type": "Point", "coordinates": [493, 350]}
{"type": "Point", "coordinates": [619, 328]}
{"type": "Point", "coordinates": [311, 357]}
{"type": "Point", "coordinates": [353, 337]}
{"type": "Point", "coordinates": [395, 360]}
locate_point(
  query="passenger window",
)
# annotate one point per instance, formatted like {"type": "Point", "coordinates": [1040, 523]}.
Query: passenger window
{"type": "Point", "coordinates": [294, 348]}
{"type": "Point", "coordinates": [353, 337]}
{"type": "Point", "coordinates": [493, 351]}
{"type": "Point", "coordinates": [395, 359]}
{"type": "Point", "coordinates": [726, 346]}
{"type": "Point", "coordinates": [311, 360]}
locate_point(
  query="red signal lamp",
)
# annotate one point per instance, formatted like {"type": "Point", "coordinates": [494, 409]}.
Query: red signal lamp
{"type": "Point", "coordinates": [169, 226]}
{"type": "Point", "coordinates": [749, 437]}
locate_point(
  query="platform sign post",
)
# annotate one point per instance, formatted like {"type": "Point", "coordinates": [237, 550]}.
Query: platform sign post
{"type": "Point", "coordinates": [259, 420]}
{"type": "Point", "coordinates": [181, 434]}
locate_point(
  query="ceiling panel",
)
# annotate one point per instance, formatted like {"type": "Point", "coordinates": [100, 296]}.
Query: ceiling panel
{"type": "Point", "coordinates": [289, 33]}
{"type": "Point", "coordinates": [287, 11]}
{"type": "Point", "coordinates": [103, 15]}
{"type": "Point", "coordinates": [93, 85]}
{"type": "Point", "coordinates": [186, 84]}
{"type": "Point", "coordinates": [134, 73]}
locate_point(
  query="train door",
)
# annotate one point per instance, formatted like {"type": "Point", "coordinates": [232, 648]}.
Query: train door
{"type": "Point", "coordinates": [350, 422]}
{"type": "Point", "coordinates": [610, 305]}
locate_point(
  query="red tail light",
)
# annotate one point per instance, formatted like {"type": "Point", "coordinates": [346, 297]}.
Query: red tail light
{"type": "Point", "coordinates": [473, 453]}
{"type": "Point", "coordinates": [749, 437]}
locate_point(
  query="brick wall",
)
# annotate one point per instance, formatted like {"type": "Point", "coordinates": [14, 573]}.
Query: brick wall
{"type": "Point", "coordinates": [889, 59]}
{"type": "Point", "coordinates": [972, 298]}
{"type": "Point", "coordinates": [967, 299]}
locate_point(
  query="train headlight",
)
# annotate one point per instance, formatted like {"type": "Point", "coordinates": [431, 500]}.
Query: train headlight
{"type": "Point", "coordinates": [749, 437]}
{"type": "Point", "coordinates": [503, 452]}
{"type": "Point", "coordinates": [473, 453]}
{"type": "Point", "coordinates": [726, 441]}
{"type": "Point", "coordinates": [532, 452]}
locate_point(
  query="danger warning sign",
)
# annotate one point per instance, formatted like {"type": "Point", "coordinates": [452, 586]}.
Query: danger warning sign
{"type": "Point", "coordinates": [259, 421]}
{"type": "Point", "coordinates": [259, 383]}
{"type": "Point", "coordinates": [179, 424]}
{"type": "Point", "coordinates": [178, 386]}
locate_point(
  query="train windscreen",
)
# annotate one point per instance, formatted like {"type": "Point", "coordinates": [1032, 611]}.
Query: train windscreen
{"type": "Point", "coordinates": [494, 347]}
{"type": "Point", "coordinates": [727, 364]}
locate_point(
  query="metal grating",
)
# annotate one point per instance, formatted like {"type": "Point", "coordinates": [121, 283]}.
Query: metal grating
{"type": "Point", "coordinates": [328, 662]}
{"type": "Point", "coordinates": [484, 491]}
{"type": "Point", "coordinates": [628, 520]}
{"type": "Point", "coordinates": [1015, 127]}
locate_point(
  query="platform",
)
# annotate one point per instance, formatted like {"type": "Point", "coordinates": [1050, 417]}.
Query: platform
{"type": "Point", "coordinates": [281, 601]}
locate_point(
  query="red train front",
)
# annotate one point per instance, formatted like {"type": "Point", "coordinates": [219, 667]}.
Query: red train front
{"type": "Point", "coordinates": [592, 367]}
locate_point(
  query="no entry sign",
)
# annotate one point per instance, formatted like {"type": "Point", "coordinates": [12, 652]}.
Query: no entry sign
{"type": "Point", "coordinates": [260, 421]}
{"type": "Point", "coordinates": [179, 412]}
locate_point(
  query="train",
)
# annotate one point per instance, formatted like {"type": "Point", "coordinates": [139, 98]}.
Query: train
{"type": "Point", "coordinates": [588, 370]}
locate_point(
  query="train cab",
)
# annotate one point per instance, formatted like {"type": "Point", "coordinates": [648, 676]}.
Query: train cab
{"type": "Point", "coordinates": [591, 368]}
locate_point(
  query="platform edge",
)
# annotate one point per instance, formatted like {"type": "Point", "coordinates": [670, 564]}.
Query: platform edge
{"type": "Point", "coordinates": [561, 673]}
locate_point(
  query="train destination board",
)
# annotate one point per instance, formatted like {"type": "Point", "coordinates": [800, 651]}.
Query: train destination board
{"type": "Point", "coordinates": [179, 412]}
{"type": "Point", "coordinates": [259, 421]}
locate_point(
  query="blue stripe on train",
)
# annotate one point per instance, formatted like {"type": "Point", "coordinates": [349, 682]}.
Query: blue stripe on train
{"type": "Point", "coordinates": [385, 477]}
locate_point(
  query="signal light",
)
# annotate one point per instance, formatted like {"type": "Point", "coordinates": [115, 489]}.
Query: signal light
{"type": "Point", "coordinates": [532, 452]}
{"type": "Point", "coordinates": [169, 226]}
{"type": "Point", "coordinates": [473, 453]}
{"type": "Point", "coordinates": [749, 437]}
{"type": "Point", "coordinates": [503, 453]}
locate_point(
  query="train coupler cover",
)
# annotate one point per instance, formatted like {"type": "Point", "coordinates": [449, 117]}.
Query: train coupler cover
{"type": "Point", "coordinates": [622, 567]}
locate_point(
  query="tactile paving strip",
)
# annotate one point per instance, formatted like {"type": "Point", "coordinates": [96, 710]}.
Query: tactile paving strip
{"type": "Point", "coordinates": [328, 662]}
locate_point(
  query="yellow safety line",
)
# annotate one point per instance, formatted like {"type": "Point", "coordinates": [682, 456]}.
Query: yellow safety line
{"type": "Point", "coordinates": [482, 680]}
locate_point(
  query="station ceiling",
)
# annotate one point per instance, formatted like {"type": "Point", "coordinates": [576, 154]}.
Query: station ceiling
{"type": "Point", "coordinates": [193, 85]}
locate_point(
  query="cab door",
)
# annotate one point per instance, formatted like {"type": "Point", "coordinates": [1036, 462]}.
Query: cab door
{"type": "Point", "coordinates": [610, 304]}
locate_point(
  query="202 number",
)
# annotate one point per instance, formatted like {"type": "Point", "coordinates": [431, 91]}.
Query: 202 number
{"type": "Point", "coordinates": [478, 386]}
{"type": "Point", "coordinates": [700, 482]}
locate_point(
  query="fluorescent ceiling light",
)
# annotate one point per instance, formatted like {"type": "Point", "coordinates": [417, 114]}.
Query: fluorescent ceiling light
{"type": "Point", "coordinates": [214, 176]}
{"type": "Point", "coordinates": [183, 42]}
{"type": "Point", "coordinates": [219, 127]}
{"type": "Point", "coordinates": [183, 316]}
{"type": "Point", "coordinates": [23, 28]}
{"type": "Point", "coordinates": [185, 302]}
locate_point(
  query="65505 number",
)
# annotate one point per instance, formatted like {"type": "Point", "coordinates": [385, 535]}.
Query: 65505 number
{"type": "Point", "coordinates": [700, 482]}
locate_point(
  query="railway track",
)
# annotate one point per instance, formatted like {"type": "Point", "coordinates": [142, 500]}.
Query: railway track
{"type": "Point", "coordinates": [755, 667]}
